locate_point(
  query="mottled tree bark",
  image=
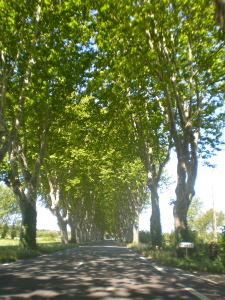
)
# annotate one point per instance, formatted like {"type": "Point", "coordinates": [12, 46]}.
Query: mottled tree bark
{"type": "Point", "coordinates": [136, 232]}
{"type": "Point", "coordinates": [28, 227]}
{"type": "Point", "coordinates": [62, 222]}
{"type": "Point", "coordinates": [155, 220]}
{"type": "Point", "coordinates": [27, 204]}
{"type": "Point", "coordinates": [72, 224]}
{"type": "Point", "coordinates": [186, 176]}
{"type": "Point", "coordinates": [220, 13]}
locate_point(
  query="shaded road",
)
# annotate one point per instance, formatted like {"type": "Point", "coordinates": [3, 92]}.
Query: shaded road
{"type": "Point", "coordinates": [102, 271]}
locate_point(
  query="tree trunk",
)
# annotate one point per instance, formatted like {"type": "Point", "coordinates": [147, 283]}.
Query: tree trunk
{"type": "Point", "coordinates": [73, 235]}
{"type": "Point", "coordinates": [64, 233]}
{"type": "Point", "coordinates": [154, 163]}
{"type": "Point", "coordinates": [180, 219]}
{"type": "Point", "coordinates": [26, 200]}
{"type": "Point", "coordinates": [220, 13]}
{"type": "Point", "coordinates": [128, 233]}
{"type": "Point", "coordinates": [72, 225]}
{"type": "Point", "coordinates": [79, 235]}
{"type": "Point", "coordinates": [54, 193]}
{"type": "Point", "coordinates": [27, 204]}
{"type": "Point", "coordinates": [28, 227]}
{"type": "Point", "coordinates": [155, 220]}
{"type": "Point", "coordinates": [186, 176]}
{"type": "Point", "coordinates": [29, 215]}
{"type": "Point", "coordinates": [63, 227]}
{"type": "Point", "coordinates": [136, 232]}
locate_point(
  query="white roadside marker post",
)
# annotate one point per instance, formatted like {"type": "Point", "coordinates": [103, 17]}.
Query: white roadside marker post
{"type": "Point", "coordinates": [186, 245]}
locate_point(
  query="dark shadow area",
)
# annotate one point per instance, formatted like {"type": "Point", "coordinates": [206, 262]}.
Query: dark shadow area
{"type": "Point", "coordinates": [102, 271]}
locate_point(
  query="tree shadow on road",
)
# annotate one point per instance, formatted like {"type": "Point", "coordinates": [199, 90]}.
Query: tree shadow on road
{"type": "Point", "coordinates": [103, 271]}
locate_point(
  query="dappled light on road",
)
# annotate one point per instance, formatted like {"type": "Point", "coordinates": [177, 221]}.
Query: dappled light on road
{"type": "Point", "coordinates": [105, 271]}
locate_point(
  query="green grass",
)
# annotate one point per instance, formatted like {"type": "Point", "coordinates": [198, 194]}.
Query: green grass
{"type": "Point", "coordinates": [168, 258]}
{"type": "Point", "coordinates": [9, 242]}
{"type": "Point", "coordinates": [10, 250]}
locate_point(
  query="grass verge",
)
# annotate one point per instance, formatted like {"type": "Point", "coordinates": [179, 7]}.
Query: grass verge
{"type": "Point", "coordinates": [12, 251]}
{"type": "Point", "coordinates": [166, 257]}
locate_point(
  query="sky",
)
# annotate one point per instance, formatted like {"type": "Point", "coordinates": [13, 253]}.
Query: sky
{"type": "Point", "coordinates": [209, 187]}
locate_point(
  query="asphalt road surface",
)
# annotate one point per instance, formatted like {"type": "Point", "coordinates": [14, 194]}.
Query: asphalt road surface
{"type": "Point", "coordinates": [102, 271]}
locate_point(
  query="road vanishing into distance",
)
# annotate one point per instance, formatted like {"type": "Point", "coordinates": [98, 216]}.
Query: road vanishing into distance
{"type": "Point", "coordinates": [102, 271]}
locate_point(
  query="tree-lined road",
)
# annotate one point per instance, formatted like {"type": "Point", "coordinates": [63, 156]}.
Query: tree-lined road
{"type": "Point", "coordinates": [102, 271]}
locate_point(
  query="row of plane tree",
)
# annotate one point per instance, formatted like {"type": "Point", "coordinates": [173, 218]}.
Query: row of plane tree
{"type": "Point", "coordinates": [94, 97]}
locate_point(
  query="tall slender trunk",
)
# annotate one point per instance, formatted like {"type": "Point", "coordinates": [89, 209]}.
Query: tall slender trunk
{"type": "Point", "coordinates": [136, 232]}
{"type": "Point", "coordinates": [80, 238]}
{"type": "Point", "coordinates": [27, 204]}
{"type": "Point", "coordinates": [72, 224]}
{"type": "Point", "coordinates": [73, 238]}
{"type": "Point", "coordinates": [220, 13]}
{"type": "Point", "coordinates": [28, 227]}
{"type": "Point", "coordinates": [186, 177]}
{"type": "Point", "coordinates": [63, 227]}
{"type": "Point", "coordinates": [155, 220]}
{"type": "Point", "coordinates": [26, 201]}
{"type": "Point", "coordinates": [182, 109]}
{"type": "Point", "coordinates": [186, 146]}
{"type": "Point", "coordinates": [54, 193]}
{"type": "Point", "coordinates": [181, 204]}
